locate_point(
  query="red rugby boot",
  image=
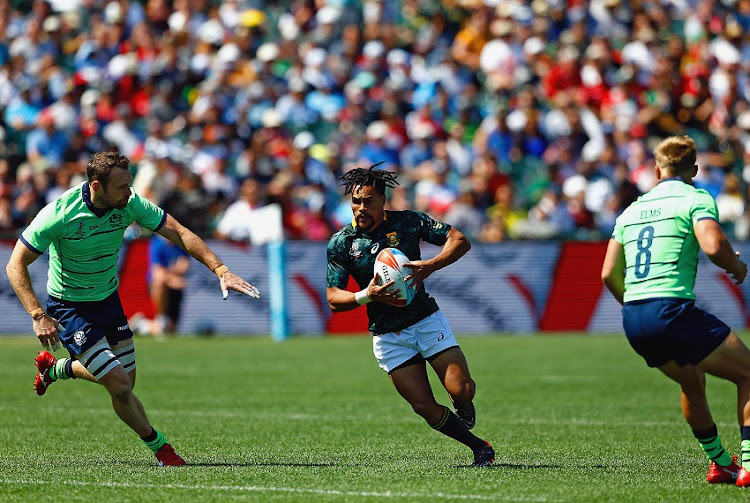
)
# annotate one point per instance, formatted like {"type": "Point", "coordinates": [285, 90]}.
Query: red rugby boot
{"type": "Point", "coordinates": [44, 362]}
{"type": "Point", "coordinates": [718, 474]}
{"type": "Point", "coordinates": [167, 457]}
{"type": "Point", "coordinates": [743, 478]}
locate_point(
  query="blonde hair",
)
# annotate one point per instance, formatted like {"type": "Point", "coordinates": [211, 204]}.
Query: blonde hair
{"type": "Point", "coordinates": [676, 154]}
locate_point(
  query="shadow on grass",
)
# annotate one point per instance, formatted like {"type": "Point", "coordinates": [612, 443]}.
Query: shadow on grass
{"type": "Point", "coordinates": [236, 464]}
{"type": "Point", "coordinates": [260, 463]}
{"type": "Point", "coordinates": [518, 466]}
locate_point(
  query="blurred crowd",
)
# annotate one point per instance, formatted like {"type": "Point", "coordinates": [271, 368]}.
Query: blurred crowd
{"type": "Point", "coordinates": [508, 119]}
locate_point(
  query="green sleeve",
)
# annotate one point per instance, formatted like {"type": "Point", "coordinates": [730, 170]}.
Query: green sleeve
{"type": "Point", "coordinates": [617, 232]}
{"type": "Point", "coordinates": [703, 206]}
{"type": "Point", "coordinates": [338, 274]}
{"type": "Point", "coordinates": [43, 229]}
{"type": "Point", "coordinates": [146, 213]}
{"type": "Point", "coordinates": [431, 230]}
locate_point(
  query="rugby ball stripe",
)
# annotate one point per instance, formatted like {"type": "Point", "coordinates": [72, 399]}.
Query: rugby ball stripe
{"type": "Point", "coordinates": [386, 256]}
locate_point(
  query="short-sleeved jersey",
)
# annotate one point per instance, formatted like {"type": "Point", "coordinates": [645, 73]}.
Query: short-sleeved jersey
{"type": "Point", "coordinates": [656, 232]}
{"type": "Point", "coordinates": [352, 251]}
{"type": "Point", "coordinates": [84, 242]}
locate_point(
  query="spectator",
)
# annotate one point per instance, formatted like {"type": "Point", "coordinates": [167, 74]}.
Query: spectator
{"type": "Point", "coordinates": [168, 264]}
{"type": "Point", "coordinates": [235, 223]}
{"type": "Point", "coordinates": [46, 145]}
{"type": "Point", "coordinates": [506, 93]}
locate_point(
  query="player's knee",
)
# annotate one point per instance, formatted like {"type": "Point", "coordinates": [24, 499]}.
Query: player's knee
{"type": "Point", "coordinates": [119, 387]}
{"type": "Point", "coordinates": [426, 409]}
{"type": "Point", "coordinates": [465, 392]}
{"type": "Point", "coordinates": [742, 378]}
{"type": "Point", "coordinates": [461, 391]}
{"type": "Point", "coordinates": [122, 395]}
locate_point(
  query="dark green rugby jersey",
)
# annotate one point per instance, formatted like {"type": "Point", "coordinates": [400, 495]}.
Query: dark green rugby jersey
{"type": "Point", "coordinates": [656, 232]}
{"type": "Point", "coordinates": [84, 242]}
{"type": "Point", "coordinates": [353, 252]}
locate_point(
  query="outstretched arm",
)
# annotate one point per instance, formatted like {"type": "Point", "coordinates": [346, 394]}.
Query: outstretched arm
{"type": "Point", "coordinates": [717, 247]}
{"type": "Point", "coordinates": [613, 270]}
{"type": "Point", "coordinates": [454, 248]}
{"type": "Point", "coordinates": [199, 250]}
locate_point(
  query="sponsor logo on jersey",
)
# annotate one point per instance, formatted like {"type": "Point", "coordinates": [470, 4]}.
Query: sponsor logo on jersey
{"type": "Point", "coordinates": [115, 218]}
{"type": "Point", "coordinates": [123, 328]}
{"type": "Point", "coordinates": [375, 248]}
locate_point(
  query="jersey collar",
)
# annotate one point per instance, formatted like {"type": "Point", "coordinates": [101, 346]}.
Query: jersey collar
{"type": "Point", "coordinates": [86, 193]}
{"type": "Point", "coordinates": [673, 178]}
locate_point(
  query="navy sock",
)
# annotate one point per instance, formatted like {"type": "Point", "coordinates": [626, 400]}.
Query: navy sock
{"type": "Point", "coordinates": [451, 426]}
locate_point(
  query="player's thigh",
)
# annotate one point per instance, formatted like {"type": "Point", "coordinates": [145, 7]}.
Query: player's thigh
{"type": "Point", "coordinates": [452, 369]}
{"type": "Point", "coordinates": [124, 350]}
{"type": "Point", "coordinates": [690, 378]}
{"type": "Point", "coordinates": [412, 384]}
{"type": "Point", "coordinates": [117, 382]}
{"type": "Point", "coordinates": [102, 363]}
{"type": "Point", "coordinates": [731, 360]}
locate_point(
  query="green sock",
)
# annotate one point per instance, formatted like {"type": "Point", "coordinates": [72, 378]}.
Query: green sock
{"type": "Point", "coordinates": [711, 444]}
{"type": "Point", "coordinates": [745, 452]}
{"type": "Point", "coordinates": [154, 440]}
{"type": "Point", "coordinates": [63, 369]}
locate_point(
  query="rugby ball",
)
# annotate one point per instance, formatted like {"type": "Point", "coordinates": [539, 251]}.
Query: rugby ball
{"type": "Point", "coordinates": [389, 266]}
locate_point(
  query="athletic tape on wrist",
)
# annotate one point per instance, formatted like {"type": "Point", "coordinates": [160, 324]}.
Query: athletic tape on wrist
{"type": "Point", "coordinates": [362, 297]}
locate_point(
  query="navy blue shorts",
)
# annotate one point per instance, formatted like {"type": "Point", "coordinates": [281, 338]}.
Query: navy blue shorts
{"type": "Point", "coordinates": [664, 330]}
{"type": "Point", "coordinates": [86, 323]}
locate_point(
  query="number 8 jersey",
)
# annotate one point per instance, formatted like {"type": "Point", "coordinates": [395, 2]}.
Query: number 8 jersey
{"type": "Point", "coordinates": [656, 232]}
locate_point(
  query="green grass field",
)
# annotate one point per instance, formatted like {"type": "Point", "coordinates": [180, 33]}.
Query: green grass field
{"type": "Point", "coordinates": [572, 418]}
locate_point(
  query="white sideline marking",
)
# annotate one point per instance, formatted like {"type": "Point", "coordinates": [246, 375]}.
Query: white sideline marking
{"type": "Point", "coordinates": [578, 421]}
{"type": "Point", "coordinates": [326, 492]}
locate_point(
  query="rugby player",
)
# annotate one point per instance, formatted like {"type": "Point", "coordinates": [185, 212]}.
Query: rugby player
{"type": "Point", "coordinates": [650, 268]}
{"type": "Point", "coordinates": [406, 338]}
{"type": "Point", "coordinates": [83, 230]}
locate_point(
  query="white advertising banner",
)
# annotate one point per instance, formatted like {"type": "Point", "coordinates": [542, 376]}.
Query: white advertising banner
{"type": "Point", "coordinates": [495, 288]}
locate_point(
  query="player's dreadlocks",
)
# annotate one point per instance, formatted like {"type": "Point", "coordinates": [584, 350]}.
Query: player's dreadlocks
{"type": "Point", "coordinates": [375, 178]}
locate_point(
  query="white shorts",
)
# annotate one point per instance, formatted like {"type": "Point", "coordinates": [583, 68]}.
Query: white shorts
{"type": "Point", "coordinates": [426, 338]}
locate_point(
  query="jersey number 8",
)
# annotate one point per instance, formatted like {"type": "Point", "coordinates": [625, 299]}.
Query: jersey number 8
{"type": "Point", "coordinates": [643, 257]}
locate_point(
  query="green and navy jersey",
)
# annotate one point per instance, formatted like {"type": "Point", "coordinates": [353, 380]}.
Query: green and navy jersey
{"type": "Point", "coordinates": [656, 232]}
{"type": "Point", "coordinates": [352, 251]}
{"type": "Point", "coordinates": [84, 242]}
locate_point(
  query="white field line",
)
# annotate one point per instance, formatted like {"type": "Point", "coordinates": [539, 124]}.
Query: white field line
{"type": "Point", "coordinates": [275, 489]}
{"type": "Point", "coordinates": [575, 421]}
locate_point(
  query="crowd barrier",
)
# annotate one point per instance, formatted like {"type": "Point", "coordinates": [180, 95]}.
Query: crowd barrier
{"type": "Point", "coordinates": [510, 287]}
